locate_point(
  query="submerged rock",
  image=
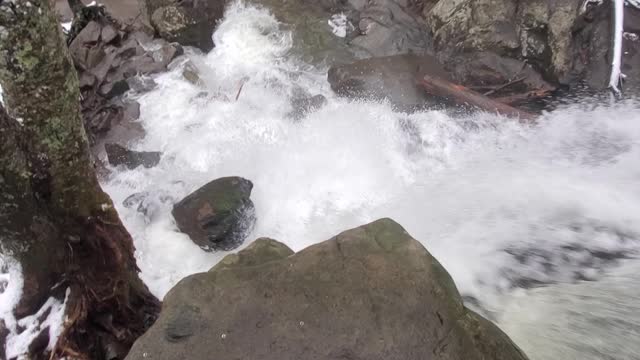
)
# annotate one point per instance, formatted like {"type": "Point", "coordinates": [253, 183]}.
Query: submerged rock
{"type": "Point", "coordinates": [192, 74]}
{"type": "Point", "coordinates": [149, 203]}
{"type": "Point", "coordinates": [217, 216]}
{"type": "Point", "coordinates": [119, 155]}
{"type": "Point", "coordinates": [392, 78]}
{"type": "Point", "coordinates": [303, 104]}
{"type": "Point", "coordinates": [372, 292]}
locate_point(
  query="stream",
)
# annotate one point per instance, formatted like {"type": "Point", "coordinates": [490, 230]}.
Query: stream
{"type": "Point", "coordinates": [539, 225]}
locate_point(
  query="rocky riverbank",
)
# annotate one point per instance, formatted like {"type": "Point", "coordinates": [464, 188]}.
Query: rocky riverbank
{"type": "Point", "coordinates": [370, 292]}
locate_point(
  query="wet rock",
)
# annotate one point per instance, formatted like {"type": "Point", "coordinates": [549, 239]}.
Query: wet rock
{"type": "Point", "coordinates": [392, 78]}
{"type": "Point", "coordinates": [114, 88]}
{"type": "Point", "coordinates": [631, 64]}
{"type": "Point", "coordinates": [167, 53]}
{"type": "Point", "coordinates": [313, 39]}
{"type": "Point", "coordinates": [260, 251]}
{"type": "Point", "coordinates": [134, 200]}
{"type": "Point", "coordinates": [371, 292]}
{"type": "Point", "coordinates": [189, 22]}
{"type": "Point", "coordinates": [492, 70]}
{"type": "Point", "coordinates": [109, 34]}
{"type": "Point", "coordinates": [85, 45]}
{"type": "Point", "coordinates": [115, 122]}
{"type": "Point", "coordinates": [110, 61]}
{"type": "Point", "coordinates": [217, 216]}
{"type": "Point", "coordinates": [388, 27]}
{"type": "Point", "coordinates": [4, 333]}
{"type": "Point", "coordinates": [119, 155]}
{"type": "Point", "coordinates": [562, 43]}
{"type": "Point", "coordinates": [592, 51]}
{"type": "Point", "coordinates": [149, 204]}
{"type": "Point", "coordinates": [131, 110]}
{"type": "Point", "coordinates": [124, 11]}
{"type": "Point", "coordinates": [191, 74]}
{"type": "Point", "coordinates": [304, 104]}
{"type": "Point", "coordinates": [141, 84]}
{"type": "Point", "coordinates": [184, 322]}
{"type": "Point", "coordinates": [632, 20]}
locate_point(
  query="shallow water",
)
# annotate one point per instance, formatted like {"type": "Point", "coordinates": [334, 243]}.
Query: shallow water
{"type": "Point", "coordinates": [501, 205]}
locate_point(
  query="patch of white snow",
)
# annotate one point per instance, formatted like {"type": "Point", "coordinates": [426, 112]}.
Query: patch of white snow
{"type": "Point", "coordinates": [340, 25]}
{"type": "Point", "coordinates": [23, 331]}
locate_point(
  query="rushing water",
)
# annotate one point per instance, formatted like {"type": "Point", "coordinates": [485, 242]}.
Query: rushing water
{"type": "Point", "coordinates": [503, 206]}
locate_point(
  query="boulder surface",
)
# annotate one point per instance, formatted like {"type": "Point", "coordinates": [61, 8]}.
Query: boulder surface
{"type": "Point", "coordinates": [372, 292]}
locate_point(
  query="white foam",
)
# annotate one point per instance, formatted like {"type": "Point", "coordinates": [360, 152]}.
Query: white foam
{"type": "Point", "coordinates": [466, 194]}
{"type": "Point", "coordinates": [467, 188]}
{"type": "Point", "coordinates": [583, 321]}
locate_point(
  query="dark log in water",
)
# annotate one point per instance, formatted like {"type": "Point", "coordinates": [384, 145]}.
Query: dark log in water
{"type": "Point", "coordinates": [461, 95]}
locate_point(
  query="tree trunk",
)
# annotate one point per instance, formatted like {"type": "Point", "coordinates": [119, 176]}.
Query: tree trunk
{"type": "Point", "coordinates": [54, 217]}
{"type": "Point", "coordinates": [75, 6]}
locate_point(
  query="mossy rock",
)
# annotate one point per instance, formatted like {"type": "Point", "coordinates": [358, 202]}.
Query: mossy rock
{"type": "Point", "coordinates": [219, 215]}
{"type": "Point", "coordinates": [372, 293]}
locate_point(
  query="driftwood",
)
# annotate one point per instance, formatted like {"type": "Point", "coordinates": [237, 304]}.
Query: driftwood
{"type": "Point", "coordinates": [464, 96]}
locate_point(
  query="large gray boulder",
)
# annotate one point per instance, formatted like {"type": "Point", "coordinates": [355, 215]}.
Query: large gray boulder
{"type": "Point", "coordinates": [563, 41]}
{"type": "Point", "coordinates": [372, 293]}
{"type": "Point", "coordinates": [219, 215]}
{"type": "Point", "coordinates": [389, 27]}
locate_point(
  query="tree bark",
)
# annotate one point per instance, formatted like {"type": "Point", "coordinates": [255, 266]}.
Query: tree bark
{"type": "Point", "coordinates": [464, 96]}
{"type": "Point", "coordinates": [54, 217]}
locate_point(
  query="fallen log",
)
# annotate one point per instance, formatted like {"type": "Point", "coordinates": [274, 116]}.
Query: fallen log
{"type": "Point", "coordinates": [461, 95]}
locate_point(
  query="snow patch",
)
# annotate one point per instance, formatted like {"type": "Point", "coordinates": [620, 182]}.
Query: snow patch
{"type": "Point", "coordinates": [66, 26]}
{"type": "Point", "coordinates": [340, 25]}
{"type": "Point", "coordinates": [22, 332]}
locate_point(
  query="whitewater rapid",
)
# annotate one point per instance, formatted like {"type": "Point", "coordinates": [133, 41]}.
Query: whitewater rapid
{"type": "Point", "coordinates": [502, 205]}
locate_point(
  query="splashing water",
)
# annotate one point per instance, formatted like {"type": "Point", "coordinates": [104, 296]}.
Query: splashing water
{"type": "Point", "coordinates": [500, 204]}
